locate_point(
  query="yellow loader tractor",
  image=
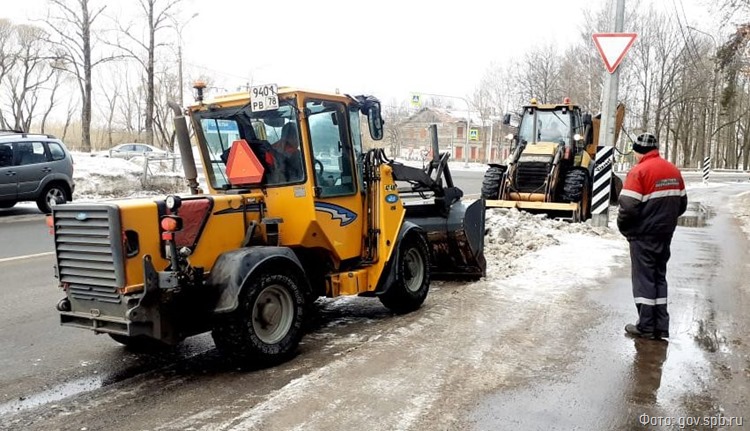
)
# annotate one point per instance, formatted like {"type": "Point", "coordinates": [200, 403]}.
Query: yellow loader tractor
{"type": "Point", "coordinates": [551, 168]}
{"type": "Point", "coordinates": [295, 210]}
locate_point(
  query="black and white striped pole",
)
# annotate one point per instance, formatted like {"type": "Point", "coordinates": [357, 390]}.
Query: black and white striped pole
{"type": "Point", "coordinates": [612, 47]}
{"type": "Point", "coordinates": [706, 169]}
{"type": "Point", "coordinates": [602, 185]}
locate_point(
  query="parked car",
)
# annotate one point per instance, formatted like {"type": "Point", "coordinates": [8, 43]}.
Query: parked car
{"type": "Point", "coordinates": [128, 151]}
{"type": "Point", "coordinates": [35, 168]}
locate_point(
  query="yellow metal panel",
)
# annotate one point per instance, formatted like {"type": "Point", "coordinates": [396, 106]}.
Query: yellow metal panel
{"type": "Point", "coordinates": [141, 216]}
{"type": "Point", "coordinates": [545, 148]}
{"type": "Point", "coordinates": [521, 205]}
{"type": "Point", "coordinates": [348, 283]}
{"type": "Point", "coordinates": [390, 217]}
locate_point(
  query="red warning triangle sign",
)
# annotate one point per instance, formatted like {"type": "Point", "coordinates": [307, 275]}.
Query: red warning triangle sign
{"type": "Point", "coordinates": [243, 167]}
{"type": "Point", "coordinates": [613, 47]}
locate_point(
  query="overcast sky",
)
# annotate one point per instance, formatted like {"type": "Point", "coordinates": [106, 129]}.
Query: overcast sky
{"type": "Point", "coordinates": [386, 48]}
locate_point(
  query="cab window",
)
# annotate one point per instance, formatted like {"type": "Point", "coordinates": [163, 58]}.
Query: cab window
{"type": "Point", "coordinates": [332, 158]}
{"type": "Point", "coordinates": [272, 135]}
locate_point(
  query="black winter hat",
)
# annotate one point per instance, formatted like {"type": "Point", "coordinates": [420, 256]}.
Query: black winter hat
{"type": "Point", "coordinates": [645, 142]}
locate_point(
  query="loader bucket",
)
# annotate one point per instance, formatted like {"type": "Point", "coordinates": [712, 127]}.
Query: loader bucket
{"type": "Point", "coordinates": [456, 240]}
{"type": "Point", "coordinates": [553, 210]}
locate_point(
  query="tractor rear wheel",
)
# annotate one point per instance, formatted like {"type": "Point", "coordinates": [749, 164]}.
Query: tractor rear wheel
{"type": "Point", "coordinates": [491, 183]}
{"type": "Point", "coordinates": [267, 326]}
{"type": "Point", "coordinates": [412, 283]}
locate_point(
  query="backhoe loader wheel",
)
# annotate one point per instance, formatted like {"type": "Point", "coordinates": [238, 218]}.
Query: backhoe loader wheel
{"type": "Point", "coordinates": [412, 283]}
{"type": "Point", "coordinates": [267, 326]}
{"type": "Point", "coordinates": [573, 185]}
{"type": "Point", "coordinates": [577, 188]}
{"type": "Point", "coordinates": [491, 182]}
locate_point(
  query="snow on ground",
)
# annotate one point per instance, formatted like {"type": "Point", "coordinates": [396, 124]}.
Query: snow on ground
{"type": "Point", "coordinates": [740, 207]}
{"type": "Point", "coordinates": [105, 178]}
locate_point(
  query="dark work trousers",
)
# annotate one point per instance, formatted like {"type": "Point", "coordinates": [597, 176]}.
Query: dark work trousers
{"type": "Point", "coordinates": [649, 257]}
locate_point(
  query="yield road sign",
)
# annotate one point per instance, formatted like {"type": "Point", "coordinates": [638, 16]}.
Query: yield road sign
{"type": "Point", "coordinates": [613, 47]}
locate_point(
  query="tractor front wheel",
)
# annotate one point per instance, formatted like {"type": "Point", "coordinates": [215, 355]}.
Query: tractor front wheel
{"type": "Point", "coordinates": [491, 183]}
{"type": "Point", "coordinates": [267, 326]}
{"type": "Point", "coordinates": [577, 188]}
{"type": "Point", "coordinates": [412, 283]}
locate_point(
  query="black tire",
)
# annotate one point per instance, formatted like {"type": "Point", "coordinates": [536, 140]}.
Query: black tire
{"type": "Point", "coordinates": [573, 185]}
{"type": "Point", "coordinates": [268, 324]}
{"type": "Point", "coordinates": [140, 343]}
{"type": "Point", "coordinates": [50, 192]}
{"type": "Point", "coordinates": [412, 283]}
{"type": "Point", "coordinates": [615, 189]}
{"type": "Point", "coordinates": [492, 181]}
{"type": "Point", "coordinates": [577, 188]}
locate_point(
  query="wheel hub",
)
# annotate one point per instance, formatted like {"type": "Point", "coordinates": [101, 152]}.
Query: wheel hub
{"type": "Point", "coordinates": [273, 314]}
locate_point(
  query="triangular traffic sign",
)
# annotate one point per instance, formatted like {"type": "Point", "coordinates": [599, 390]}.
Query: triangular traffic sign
{"type": "Point", "coordinates": [613, 47]}
{"type": "Point", "coordinates": [243, 167]}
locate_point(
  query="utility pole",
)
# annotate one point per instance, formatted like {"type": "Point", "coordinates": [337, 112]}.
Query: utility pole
{"type": "Point", "coordinates": [608, 122]}
{"type": "Point", "coordinates": [179, 29]}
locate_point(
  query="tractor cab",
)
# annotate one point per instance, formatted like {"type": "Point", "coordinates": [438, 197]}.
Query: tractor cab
{"type": "Point", "coordinates": [553, 128]}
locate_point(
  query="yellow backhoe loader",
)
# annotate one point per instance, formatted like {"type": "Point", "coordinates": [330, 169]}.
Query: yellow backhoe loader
{"type": "Point", "coordinates": [295, 209]}
{"type": "Point", "coordinates": [551, 168]}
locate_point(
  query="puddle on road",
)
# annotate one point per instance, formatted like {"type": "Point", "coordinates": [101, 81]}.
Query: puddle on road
{"type": "Point", "coordinates": [696, 215]}
{"type": "Point", "coordinates": [56, 393]}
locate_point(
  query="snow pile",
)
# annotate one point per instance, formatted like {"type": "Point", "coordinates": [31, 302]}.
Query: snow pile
{"type": "Point", "coordinates": [513, 234]}
{"type": "Point", "coordinates": [105, 178]}
{"type": "Point", "coordinates": [740, 207]}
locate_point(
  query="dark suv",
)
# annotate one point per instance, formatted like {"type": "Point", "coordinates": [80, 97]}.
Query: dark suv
{"type": "Point", "coordinates": [34, 168]}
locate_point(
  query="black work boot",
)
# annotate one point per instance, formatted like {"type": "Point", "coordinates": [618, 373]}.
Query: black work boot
{"type": "Point", "coordinates": [633, 330]}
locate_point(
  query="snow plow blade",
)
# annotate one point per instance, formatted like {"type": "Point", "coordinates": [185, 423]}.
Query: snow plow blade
{"type": "Point", "coordinates": [555, 210]}
{"type": "Point", "coordinates": [456, 240]}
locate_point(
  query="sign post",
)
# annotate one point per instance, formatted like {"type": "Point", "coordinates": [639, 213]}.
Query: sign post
{"type": "Point", "coordinates": [612, 47]}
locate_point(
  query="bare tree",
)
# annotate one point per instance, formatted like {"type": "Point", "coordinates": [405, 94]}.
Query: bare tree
{"type": "Point", "coordinates": [167, 88]}
{"type": "Point", "coordinates": [111, 96]}
{"type": "Point", "coordinates": [72, 21]}
{"type": "Point", "coordinates": [157, 14]}
{"type": "Point", "coordinates": [7, 56]}
{"type": "Point", "coordinates": [25, 82]}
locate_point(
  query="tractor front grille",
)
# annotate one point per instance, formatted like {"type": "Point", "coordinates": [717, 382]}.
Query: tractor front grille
{"type": "Point", "coordinates": [88, 244]}
{"type": "Point", "coordinates": [530, 176]}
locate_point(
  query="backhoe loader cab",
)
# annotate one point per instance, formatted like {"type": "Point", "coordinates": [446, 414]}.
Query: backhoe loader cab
{"type": "Point", "coordinates": [550, 170]}
{"type": "Point", "coordinates": [295, 209]}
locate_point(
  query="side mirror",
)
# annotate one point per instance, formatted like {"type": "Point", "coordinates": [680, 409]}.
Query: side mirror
{"type": "Point", "coordinates": [506, 119]}
{"type": "Point", "coordinates": [586, 119]}
{"type": "Point", "coordinates": [375, 121]}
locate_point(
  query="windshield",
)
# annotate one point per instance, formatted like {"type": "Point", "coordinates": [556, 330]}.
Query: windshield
{"type": "Point", "coordinates": [552, 126]}
{"type": "Point", "coordinates": [272, 135]}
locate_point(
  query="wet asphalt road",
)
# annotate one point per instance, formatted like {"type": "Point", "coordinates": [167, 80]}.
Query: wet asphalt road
{"type": "Point", "coordinates": [617, 381]}
{"type": "Point", "coordinates": [452, 365]}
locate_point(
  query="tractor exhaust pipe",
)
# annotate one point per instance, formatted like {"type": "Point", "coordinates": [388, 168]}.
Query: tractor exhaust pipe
{"type": "Point", "coordinates": [186, 151]}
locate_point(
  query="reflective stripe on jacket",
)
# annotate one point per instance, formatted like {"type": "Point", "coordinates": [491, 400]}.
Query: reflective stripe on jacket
{"type": "Point", "coordinates": [652, 198]}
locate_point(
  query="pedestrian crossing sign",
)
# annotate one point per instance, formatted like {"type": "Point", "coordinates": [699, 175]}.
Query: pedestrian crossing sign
{"type": "Point", "coordinates": [415, 100]}
{"type": "Point", "coordinates": [474, 135]}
